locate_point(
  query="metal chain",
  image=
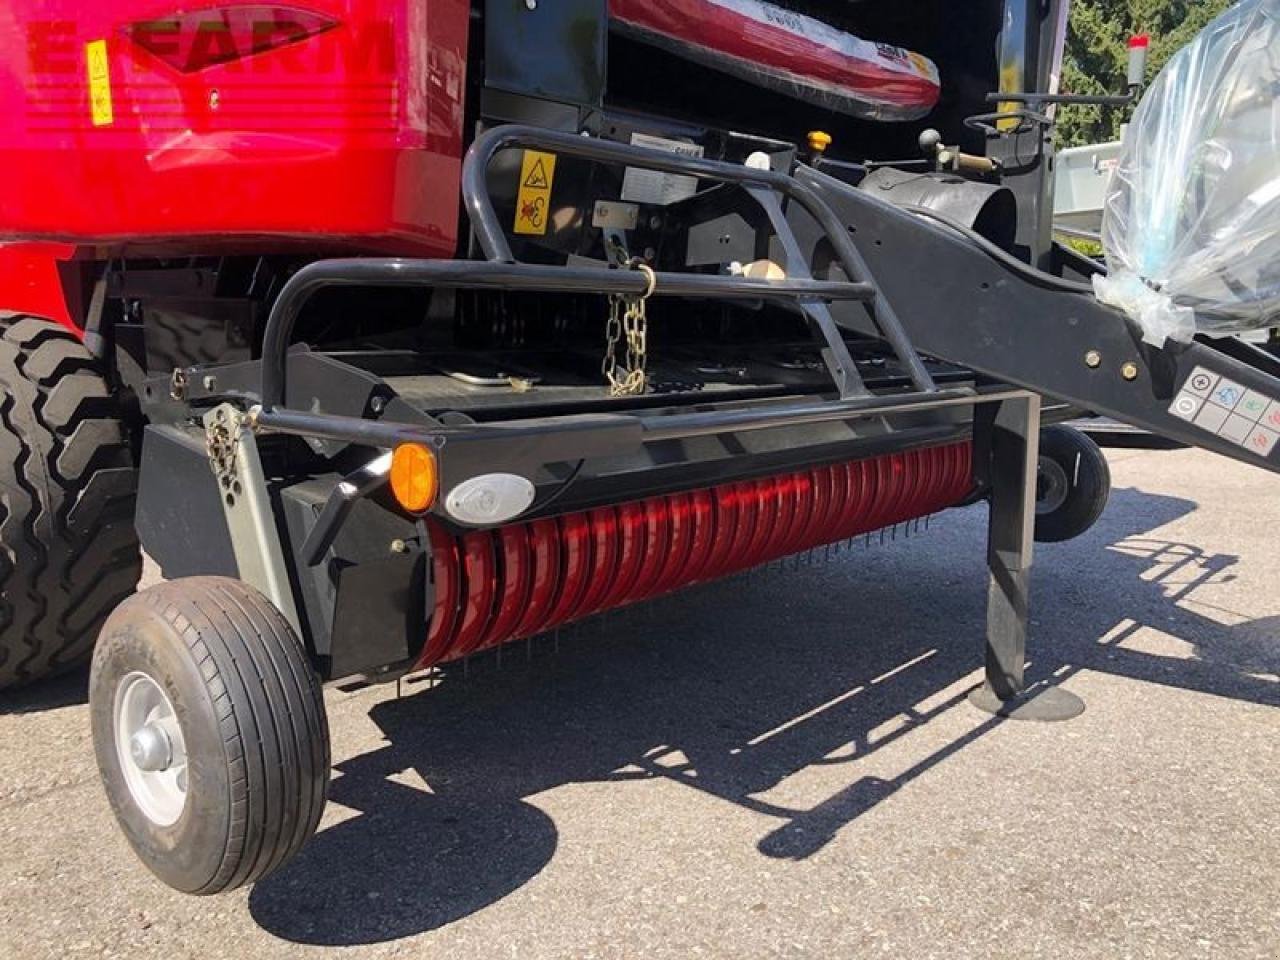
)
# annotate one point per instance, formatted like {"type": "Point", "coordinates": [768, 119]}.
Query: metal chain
{"type": "Point", "coordinates": [223, 441]}
{"type": "Point", "coordinates": [629, 321]}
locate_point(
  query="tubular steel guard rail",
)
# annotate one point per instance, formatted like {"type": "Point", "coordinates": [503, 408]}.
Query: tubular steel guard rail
{"type": "Point", "coordinates": [493, 241]}
{"type": "Point", "coordinates": [501, 271]}
{"type": "Point", "coordinates": [495, 275]}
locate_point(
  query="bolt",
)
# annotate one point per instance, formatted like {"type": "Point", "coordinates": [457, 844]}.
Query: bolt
{"type": "Point", "coordinates": [378, 404]}
{"type": "Point", "coordinates": [1093, 359]}
{"type": "Point", "coordinates": [215, 99]}
{"type": "Point", "coordinates": [399, 546]}
{"type": "Point", "coordinates": [531, 4]}
{"type": "Point", "coordinates": [1129, 371]}
{"type": "Point", "coordinates": [210, 382]}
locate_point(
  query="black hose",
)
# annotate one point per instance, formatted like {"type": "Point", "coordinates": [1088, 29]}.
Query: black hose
{"type": "Point", "coordinates": [560, 491]}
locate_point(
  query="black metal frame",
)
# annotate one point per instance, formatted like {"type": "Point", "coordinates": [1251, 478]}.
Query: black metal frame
{"type": "Point", "coordinates": [908, 254]}
{"type": "Point", "coordinates": [501, 271]}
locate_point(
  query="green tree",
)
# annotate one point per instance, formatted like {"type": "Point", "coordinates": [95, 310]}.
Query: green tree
{"type": "Point", "coordinates": [1097, 55]}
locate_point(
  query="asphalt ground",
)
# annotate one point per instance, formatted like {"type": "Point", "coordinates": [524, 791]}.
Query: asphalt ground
{"type": "Point", "coordinates": [780, 765]}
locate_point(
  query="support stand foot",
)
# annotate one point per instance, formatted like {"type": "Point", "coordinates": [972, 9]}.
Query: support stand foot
{"type": "Point", "coordinates": [1043, 704]}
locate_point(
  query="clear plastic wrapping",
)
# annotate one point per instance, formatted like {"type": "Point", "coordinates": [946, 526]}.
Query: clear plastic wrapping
{"type": "Point", "coordinates": [1191, 225]}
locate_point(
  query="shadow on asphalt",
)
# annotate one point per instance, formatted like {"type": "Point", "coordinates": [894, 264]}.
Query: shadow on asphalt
{"type": "Point", "coordinates": [67, 690]}
{"type": "Point", "coordinates": [730, 689]}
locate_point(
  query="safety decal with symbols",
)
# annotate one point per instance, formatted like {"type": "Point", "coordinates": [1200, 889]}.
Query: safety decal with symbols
{"type": "Point", "coordinates": [1234, 412]}
{"type": "Point", "coordinates": [99, 69]}
{"type": "Point", "coordinates": [533, 200]}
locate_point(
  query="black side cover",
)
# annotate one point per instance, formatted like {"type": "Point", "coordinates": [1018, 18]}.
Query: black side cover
{"type": "Point", "coordinates": [365, 604]}
{"type": "Point", "coordinates": [180, 519]}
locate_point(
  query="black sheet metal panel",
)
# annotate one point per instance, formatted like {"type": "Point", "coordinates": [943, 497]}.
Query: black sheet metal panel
{"type": "Point", "coordinates": [179, 516]}
{"type": "Point", "coordinates": [554, 49]}
{"type": "Point", "coordinates": [969, 306]}
{"type": "Point", "coordinates": [988, 208]}
{"type": "Point", "coordinates": [365, 604]}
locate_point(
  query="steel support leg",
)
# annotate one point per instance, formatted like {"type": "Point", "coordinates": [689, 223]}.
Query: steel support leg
{"type": "Point", "coordinates": [1007, 438]}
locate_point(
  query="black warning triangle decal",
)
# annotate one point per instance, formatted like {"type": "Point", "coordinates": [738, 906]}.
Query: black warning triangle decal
{"type": "Point", "coordinates": [537, 179]}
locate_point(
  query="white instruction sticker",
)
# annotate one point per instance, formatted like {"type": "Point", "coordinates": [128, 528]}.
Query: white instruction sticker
{"type": "Point", "coordinates": [649, 186]}
{"type": "Point", "coordinates": [1246, 417]}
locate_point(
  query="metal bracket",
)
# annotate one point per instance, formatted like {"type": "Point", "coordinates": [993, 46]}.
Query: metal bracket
{"type": "Point", "coordinates": [1008, 438]}
{"type": "Point", "coordinates": [835, 352]}
{"type": "Point", "coordinates": [246, 504]}
{"type": "Point", "coordinates": [338, 507]}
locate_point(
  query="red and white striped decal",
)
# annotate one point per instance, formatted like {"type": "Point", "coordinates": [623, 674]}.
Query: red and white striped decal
{"type": "Point", "coordinates": [764, 42]}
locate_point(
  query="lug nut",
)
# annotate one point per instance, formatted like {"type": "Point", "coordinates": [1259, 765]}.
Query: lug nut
{"type": "Point", "coordinates": [1129, 371]}
{"type": "Point", "coordinates": [1093, 359]}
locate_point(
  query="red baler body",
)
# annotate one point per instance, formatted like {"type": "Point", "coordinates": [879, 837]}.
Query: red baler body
{"type": "Point", "coordinates": [314, 124]}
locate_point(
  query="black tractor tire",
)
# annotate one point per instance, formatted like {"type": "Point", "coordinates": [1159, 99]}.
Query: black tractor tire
{"type": "Point", "coordinates": [1072, 486]}
{"type": "Point", "coordinates": [239, 782]}
{"type": "Point", "coordinates": [68, 550]}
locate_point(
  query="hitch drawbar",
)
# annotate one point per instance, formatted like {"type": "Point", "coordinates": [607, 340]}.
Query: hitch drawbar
{"type": "Point", "coordinates": [982, 309]}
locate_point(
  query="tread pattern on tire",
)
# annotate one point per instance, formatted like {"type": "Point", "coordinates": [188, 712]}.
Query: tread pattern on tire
{"type": "Point", "coordinates": [68, 550]}
{"type": "Point", "coordinates": [271, 711]}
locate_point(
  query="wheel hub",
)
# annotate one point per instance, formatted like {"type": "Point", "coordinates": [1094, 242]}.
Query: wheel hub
{"type": "Point", "coordinates": [1052, 485]}
{"type": "Point", "coordinates": [151, 749]}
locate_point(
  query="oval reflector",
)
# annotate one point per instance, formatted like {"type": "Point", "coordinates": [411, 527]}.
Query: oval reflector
{"type": "Point", "coordinates": [413, 477]}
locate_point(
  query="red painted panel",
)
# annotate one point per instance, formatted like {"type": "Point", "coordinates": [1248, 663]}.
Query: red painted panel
{"type": "Point", "coordinates": [242, 135]}
{"type": "Point", "coordinates": [30, 283]}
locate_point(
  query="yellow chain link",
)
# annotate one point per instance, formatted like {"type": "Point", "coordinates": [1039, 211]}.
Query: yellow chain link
{"type": "Point", "coordinates": [628, 320]}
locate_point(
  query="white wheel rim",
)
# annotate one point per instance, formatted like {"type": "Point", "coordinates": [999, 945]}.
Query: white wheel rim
{"type": "Point", "coordinates": [1052, 486]}
{"type": "Point", "coordinates": [151, 749]}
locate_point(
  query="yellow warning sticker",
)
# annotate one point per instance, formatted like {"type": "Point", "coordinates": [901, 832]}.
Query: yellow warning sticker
{"type": "Point", "coordinates": [533, 202]}
{"type": "Point", "coordinates": [99, 83]}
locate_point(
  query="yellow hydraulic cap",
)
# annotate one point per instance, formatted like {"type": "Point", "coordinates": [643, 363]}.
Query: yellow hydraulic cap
{"type": "Point", "coordinates": [819, 140]}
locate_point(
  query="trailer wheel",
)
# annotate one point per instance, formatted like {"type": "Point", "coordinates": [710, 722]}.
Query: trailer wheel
{"type": "Point", "coordinates": [68, 551]}
{"type": "Point", "coordinates": [209, 728]}
{"type": "Point", "coordinates": [1072, 484]}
